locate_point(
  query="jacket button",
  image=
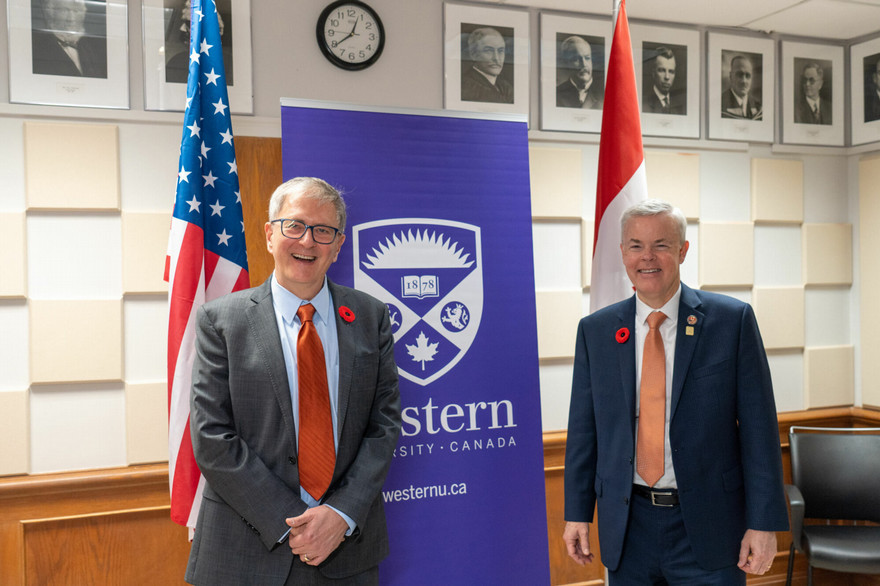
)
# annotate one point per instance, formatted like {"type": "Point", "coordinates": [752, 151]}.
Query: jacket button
{"type": "Point", "coordinates": [292, 460]}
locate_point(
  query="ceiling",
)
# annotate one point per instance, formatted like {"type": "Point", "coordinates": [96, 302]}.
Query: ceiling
{"type": "Point", "coordinates": [839, 20]}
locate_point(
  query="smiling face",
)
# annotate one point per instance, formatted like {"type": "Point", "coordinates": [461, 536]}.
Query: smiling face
{"type": "Point", "coordinates": [300, 265]}
{"type": "Point", "coordinates": [652, 254]}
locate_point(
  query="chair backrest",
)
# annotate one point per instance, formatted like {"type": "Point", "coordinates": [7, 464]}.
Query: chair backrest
{"type": "Point", "coordinates": [837, 472]}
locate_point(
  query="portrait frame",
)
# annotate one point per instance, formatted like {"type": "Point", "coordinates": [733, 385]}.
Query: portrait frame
{"type": "Point", "coordinates": [865, 122]}
{"type": "Point", "coordinates": [555, 28]}
{"type": "Point", "coordinates": [30, 36]}
{"type": "Point", "coordinates": [794, 57]}
{"type": "Point", "coordinates": [166, 60]}
{"type": "Point", "coordinates": [459, 21]}
{"type": "Point", "coordinates": [722, 49]}
{"type": "Point", "coordinates": [685, 45]}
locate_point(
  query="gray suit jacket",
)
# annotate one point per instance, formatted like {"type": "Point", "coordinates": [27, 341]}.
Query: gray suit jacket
{"type": "Point", "coordinates": [243, 435]}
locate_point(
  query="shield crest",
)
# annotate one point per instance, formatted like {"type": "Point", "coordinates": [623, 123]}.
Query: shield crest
{"type": "Point", "coordinates": [429, 272]}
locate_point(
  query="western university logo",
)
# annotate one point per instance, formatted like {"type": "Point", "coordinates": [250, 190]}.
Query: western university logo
{"type": "Point", "coordinates": [429, 273]}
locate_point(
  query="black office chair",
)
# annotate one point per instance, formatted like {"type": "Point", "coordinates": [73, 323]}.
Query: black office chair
{"type": "Point", "coordinates": [836, 476]}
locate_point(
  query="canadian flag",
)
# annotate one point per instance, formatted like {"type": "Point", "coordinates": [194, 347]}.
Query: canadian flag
{"type": "Point", "coordinates": [622, 181]}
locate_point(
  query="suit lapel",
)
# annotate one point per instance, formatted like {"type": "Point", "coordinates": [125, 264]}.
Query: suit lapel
{"type": "Point", "coordinates": [626, 356]}
{"type": "Point", "coordinates": [685, 344]}
{"type": "Point", "coordinates": [346, 353]}
{"type": "Point", "coordinates": [264, 330]}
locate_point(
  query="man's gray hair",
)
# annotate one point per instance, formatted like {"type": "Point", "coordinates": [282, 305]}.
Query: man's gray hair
{"type": "Point", "coordinates": [655, 207]}
{"type": "Point", "coordinates": [477, 35]}
{"type": "Point", "coordinates": [312, 188]}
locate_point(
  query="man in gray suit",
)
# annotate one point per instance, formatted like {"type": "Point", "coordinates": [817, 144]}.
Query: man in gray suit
{"type": "Point", "coordinates": [258, 524]}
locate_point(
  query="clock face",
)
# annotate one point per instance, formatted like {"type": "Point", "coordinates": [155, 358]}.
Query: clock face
{"type": "Point", "coordinates": [350, 34]}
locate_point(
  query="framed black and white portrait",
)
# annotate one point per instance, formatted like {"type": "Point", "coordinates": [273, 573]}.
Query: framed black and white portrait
{"type": "Point", "coordinates": [486, 59]}
{"type": "Point", "coordinates": [574, 60]}
{"type": "Point", "coordinates": [166, 53]}
{"type": "Point", "coordinates": [667, 63]}
{"type": "Point", "coordinates": [864, 60]}
{"type": "Point", "coordinates": [69, 52]}
{"type": "Point", "coordinates": [742, 99]}
{"type": "Point", "coordinates": [812, 94]}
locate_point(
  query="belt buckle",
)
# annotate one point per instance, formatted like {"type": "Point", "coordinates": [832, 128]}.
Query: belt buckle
{"type": "Point", "coordinates": [654, 499]}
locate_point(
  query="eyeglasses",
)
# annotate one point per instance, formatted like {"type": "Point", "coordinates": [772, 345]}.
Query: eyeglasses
{"type": "Point", "coordinates": [294, 229]}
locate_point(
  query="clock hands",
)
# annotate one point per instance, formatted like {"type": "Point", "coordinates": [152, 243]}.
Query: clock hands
{"type": "Point", "coordinates": [350, 35]}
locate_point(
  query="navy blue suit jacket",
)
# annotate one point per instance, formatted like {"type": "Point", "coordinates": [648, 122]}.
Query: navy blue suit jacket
{"type": "Point", "coordinates": [723, 428]}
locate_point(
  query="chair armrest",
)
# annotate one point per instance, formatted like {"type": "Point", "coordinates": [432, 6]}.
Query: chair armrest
{"type": "Point", "coordinates": [796, 502]}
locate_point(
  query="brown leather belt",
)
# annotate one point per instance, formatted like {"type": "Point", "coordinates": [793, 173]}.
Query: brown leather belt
{"type": "Point", "coordinates": [659, 497]}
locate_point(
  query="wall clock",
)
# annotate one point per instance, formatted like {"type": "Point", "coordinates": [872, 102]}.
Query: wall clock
{"type": "Point", "coordinates": [350, 34]}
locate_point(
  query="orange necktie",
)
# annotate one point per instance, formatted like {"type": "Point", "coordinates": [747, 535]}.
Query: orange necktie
{"type": "Point", "coordinates": [317, 456]}
{"type": "Point", "coordinates": [652, 404]}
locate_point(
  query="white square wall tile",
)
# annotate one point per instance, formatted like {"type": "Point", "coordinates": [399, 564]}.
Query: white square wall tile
{"type": "Point", "coordinates": [777, 190]}
{"type": "Point", "coordinates": [12, 169]}
{"type": "Point", "coordinates": [146, 153]}
{"type": "Point", "coordinates": [77, 427]}
{"type": "Point", "coordinates": [145, 338]}
{"type": "Point", "coordinates": [556, 182]}
{"type": "Point", "coordinates": [828, 316]}
{"type": "Point", "coordinates": [144, 248]}
{"type": "Point", "coordinates": [14, 423]}
{"type": "Point", "coordinates": [675, 178]}
{"type": "Point", "coordinates": [14, 325]}
{"type": "Point", "coordinates": [13, 276]}
{"type": "Point", "coordinates": [825, 189]}
{"type": "Point", "coordinates": [588, 228]}
{"type": "Point", "coordinates": [556, 392]}
{"type": "Point", "coordinates": [558, 315]}
{"type": "Point", "coordinates": [787, 372]}
{"type": "Point", "coordinates": [727, 257]}
{"type": "Point", "coordinates": [780, 315]}
{"type": "Point", "coordinates": [690, 268]}
{"type": "Point", "coordinates": [828, 254]}
{"type": "Point", "coordinates": [146, 423]}
{"type": "Point", "coordinates": [778, 256]}
{"type": "Point", "coordinates": [556, 245]}
{"type": "Point", "coordinates": [725, 187]}
{"type": "Point", "coordinates": [74, 341]}
{"type": "Point", "coordinates": [829, 376]}
{"type": "Point", "coordinates": [74, 256]}
{"type": "Point", "coordinates": [71, 166]}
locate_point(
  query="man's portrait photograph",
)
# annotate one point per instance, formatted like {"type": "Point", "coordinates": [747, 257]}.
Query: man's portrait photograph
{"type": "Point", "coordinates": [69, 37]}
{"type": "Point", "coordinates": [741, 85]}
{"type": "Point", "coordinates": [486, 63]}
{"type": "Point", "coordinates": [177, 15]}
{"type": "Point", "coordinates": [664, 78]}
{"type": "Point", "coordinates": [580, 71]}
{"type": "Point", "coordinates": [812, 91]}
{"type": "Point", "coordinates": [871, 65]}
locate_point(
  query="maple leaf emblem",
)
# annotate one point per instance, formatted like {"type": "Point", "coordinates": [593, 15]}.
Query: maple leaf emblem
{"type": "Point", "coordinates": [422, 351]}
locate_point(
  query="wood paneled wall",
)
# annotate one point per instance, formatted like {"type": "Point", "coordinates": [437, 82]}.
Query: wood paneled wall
{"type": "Point", "coordinates": [112, 526]}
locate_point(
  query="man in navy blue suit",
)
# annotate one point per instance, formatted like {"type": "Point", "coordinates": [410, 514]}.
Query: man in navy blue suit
{"type": "Point", "coordinates": [710, 514]}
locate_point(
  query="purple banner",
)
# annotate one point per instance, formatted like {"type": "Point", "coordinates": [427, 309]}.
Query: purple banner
{"type": "Point", "coordinates": [439, 228]}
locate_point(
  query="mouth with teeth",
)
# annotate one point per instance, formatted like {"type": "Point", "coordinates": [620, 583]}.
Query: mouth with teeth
{"type": "Point", "coordinates": [304, 257]}
{"type": "Point", "coordinates": [648, 271]}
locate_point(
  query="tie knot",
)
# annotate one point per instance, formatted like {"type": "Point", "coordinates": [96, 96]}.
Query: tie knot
{"type": "Point", "coordinates": [655, 319]}
{"type": "Point", "coordinates": [306, 312]}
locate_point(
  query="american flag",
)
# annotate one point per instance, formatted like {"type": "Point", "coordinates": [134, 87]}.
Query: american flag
{"type": "Point", "coordinates": [206, 248]}
{"type": "Point", "coordinates": [622, 180]}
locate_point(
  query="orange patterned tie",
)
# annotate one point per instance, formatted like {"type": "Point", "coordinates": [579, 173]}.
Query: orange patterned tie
{"type": "Point", "coordinates": [652, 404]}
{"type": "Point", "coordinates": [317, 456]}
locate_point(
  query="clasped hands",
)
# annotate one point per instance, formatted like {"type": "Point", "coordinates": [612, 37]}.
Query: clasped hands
{"type": "Point", "coordinates": [316, 534]}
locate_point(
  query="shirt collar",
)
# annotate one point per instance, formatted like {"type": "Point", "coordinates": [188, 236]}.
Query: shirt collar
{"type": "Point", "coordinates": [813, 102]}
{"type": "Point", "coordinates": [287, 304]}
{"type": "Point", "coordinates": [670, 308]}
{"type": "Point", "coordinates": [659, 95]}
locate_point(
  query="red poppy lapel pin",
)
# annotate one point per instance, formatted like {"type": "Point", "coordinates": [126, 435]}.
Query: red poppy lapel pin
{"type": "Point", "coordinates": [346, 313]}
{"type": "Point", "coordinates": [622, 335]}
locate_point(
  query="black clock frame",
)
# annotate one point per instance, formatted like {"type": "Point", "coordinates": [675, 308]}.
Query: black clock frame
{"type": "Point", "coordinates": [330, 55]}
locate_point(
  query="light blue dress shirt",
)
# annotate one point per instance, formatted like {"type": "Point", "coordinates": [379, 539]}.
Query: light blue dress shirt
{"type": "Point", "coordinates": [286, 305]}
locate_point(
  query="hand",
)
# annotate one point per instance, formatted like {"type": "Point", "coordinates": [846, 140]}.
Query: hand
{"type": "Point", "coordinates": [577, 541]}
{"type": "Point", "coordinates": [757, 551]}
{"type": "Point", "coordinates": [315, 534]}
